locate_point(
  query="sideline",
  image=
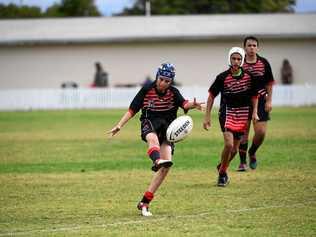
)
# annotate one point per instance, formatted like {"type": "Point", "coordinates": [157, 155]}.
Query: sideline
{"type": "Point", "coordinates": [149, 220]}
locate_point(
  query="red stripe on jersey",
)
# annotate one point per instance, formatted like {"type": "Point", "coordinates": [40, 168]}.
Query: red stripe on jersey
{"type": "Point", "coordinates": [234, 86]}
{"type": "Point", "coordinates": [147, 100]}
{"type": "Point", "coordinates": [237, 118]}
{"type": "Point", "coordinates": [256, 69]}
{"type": "Point", "coordinates": [154, 102]}
{"type": "Point", "coordinates": [262, 92]}
{"type": "Point", "coordinates": [157, 103]}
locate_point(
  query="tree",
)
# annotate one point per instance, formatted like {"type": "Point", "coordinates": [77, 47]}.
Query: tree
{"type": "Point", "coordinates": [15, 11]}
{"type": "Point", "coordinates": [67, 8]}
{"type": "Point", "coordinates": [181, 7]}
{"type": "Point", "coordinates": [54, 11]}
{"type": "Point", "coordinates": [73, 8]}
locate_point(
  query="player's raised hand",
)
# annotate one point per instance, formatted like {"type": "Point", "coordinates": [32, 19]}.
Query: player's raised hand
{"type": "Point", "coordinates": [198, 105]}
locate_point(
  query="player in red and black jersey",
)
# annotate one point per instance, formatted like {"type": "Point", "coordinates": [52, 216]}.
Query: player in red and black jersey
{"type": "Point", "coordinates": [159, 103]}
{"type": "Point", "coordinates": [238, 93]}
{"type": "Point", "coordinates": [261, 69]}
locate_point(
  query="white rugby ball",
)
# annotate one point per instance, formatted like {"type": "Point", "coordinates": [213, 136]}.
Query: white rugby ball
{"type": "Point", "coordinates": [179, 129]}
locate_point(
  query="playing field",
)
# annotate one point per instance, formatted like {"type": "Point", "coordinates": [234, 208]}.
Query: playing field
{"type": "Point", "coordinates": [61, 176]}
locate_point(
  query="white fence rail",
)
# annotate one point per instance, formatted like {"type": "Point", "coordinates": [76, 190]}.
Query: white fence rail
{"type": "Point", "coordinates": [46, 99]}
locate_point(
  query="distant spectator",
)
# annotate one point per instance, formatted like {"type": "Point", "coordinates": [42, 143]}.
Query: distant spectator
{"type": "Point", "coordinates": [147, 81]}
{"type": "Point", "coordinates": [101, 78]}
{"type": "Point", "coordinates": [286, 73]}
{"type": "Point", "coordinates": [69, 84]}
{"type": "Point", "coordinates": [126, 85]}
{"type": "Point", "coordinates": [176, 84]}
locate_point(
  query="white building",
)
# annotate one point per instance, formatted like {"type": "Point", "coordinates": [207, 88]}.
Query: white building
{"type": "Point", "coordinates": [44, 53]}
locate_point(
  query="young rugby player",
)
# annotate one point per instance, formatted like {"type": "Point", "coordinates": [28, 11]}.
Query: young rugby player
{"type": "Point", "coordinates": [159, 103]}
{"type": "Point", "coordinates": [238, 94]}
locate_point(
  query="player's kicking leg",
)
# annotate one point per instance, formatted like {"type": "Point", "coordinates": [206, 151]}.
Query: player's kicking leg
{"type": "Point", "coordinates": [158, 178]}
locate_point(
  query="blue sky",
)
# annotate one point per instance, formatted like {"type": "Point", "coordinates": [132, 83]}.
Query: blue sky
{"type": "Point", "coordinates": [108, 7]}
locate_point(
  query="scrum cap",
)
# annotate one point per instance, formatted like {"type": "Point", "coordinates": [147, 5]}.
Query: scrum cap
{"type": "Point", "coordinates": [166, 70]}
{"type": "Point", "coordinates": [238, 50]}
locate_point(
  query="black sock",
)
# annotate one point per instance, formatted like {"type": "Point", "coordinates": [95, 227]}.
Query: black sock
{"type": "Point", "coordinates": [243, 152]}
{"type": "Point", "coordinates": [252, 150]}
{"type": "Point", "coordinates": [154, 153]}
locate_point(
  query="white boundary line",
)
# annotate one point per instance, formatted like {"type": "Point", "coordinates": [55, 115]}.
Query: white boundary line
{"type": "Point", "coordinates": [150, 219]}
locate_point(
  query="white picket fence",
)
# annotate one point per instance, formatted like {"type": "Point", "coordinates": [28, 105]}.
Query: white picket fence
{"type": "Point", "coordinates": [52, 99]}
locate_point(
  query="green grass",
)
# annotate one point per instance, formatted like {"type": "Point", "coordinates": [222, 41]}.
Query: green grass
{"type": "Point", "coordinates": [61, 176]}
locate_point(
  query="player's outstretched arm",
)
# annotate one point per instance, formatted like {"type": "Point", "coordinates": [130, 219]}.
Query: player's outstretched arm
{"type": "Point", "coordinates": [127, 116]}
{"type": "Point", "coordinates": [194, 105]}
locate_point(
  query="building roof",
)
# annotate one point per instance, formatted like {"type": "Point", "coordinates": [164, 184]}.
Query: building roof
{"type": "Point", "coordinates": [156, 28]}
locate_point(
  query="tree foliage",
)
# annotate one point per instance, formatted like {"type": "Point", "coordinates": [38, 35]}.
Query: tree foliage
{"type": "Point", "coordinates": [73, 8]}
{"type": "Point", "coordinates": [77, 8]}
{"type": "Point", "coordinates": [67, 8]}
{"type": "Point", "coordinates": [15, 11]}
{"type": "Point", "coordinates": [181, 7]}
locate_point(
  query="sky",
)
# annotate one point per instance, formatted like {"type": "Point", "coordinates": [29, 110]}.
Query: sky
{"type": "Point", "coordinates": [109, 7]}
{"type": "Point", "coordinates": [106, 7]}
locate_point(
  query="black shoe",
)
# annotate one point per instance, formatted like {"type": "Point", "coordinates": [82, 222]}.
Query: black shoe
{"type": "Point", "coordinates": [223, 180]}
{"type": "Point", "coordinates": [252, 162]}
{"type": "Point", "coordinates": [161, 163]}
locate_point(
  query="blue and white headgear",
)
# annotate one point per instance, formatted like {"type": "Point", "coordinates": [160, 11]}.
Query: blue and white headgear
{"type": "Point", "coordinates": [238, 50]}
{"type": "Point", "coordinates": [166, 70]}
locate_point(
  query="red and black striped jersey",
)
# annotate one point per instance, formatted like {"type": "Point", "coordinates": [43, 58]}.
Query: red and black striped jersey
{"type": "Point", "coordinates": [262, 71]}
{"type": "Point", "coordinates": [236, 91]}
{"type": "Point", "coordinates": [157, 105]}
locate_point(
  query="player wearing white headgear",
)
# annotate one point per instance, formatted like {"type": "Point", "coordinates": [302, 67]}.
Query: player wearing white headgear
{"type": "Point", "coordinates": [238, 93]}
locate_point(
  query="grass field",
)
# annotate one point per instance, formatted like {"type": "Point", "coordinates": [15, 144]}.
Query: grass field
{"type": "Point", "coordinates": [60, 176]}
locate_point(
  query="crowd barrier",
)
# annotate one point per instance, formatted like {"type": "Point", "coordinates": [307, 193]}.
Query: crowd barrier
{"type": "Point", "coordinates": [54, 99]}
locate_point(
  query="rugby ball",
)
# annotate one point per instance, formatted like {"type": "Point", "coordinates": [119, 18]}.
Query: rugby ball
{"type": "Point", "coordinates": [179, 129]}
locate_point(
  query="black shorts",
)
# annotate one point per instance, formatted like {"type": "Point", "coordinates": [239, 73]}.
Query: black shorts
{"type": "Point", "coordinates": [158, 126]}
{"type": "Point", "coordinates": [263, 115]}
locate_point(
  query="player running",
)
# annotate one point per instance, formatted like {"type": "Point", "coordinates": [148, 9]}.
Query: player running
{"type": "Point", "coordinates": [159, 103]}
{"type": "Point", "coordinates": [238, 93]}
{"type": "Point", "coordinates": [261, 69]}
